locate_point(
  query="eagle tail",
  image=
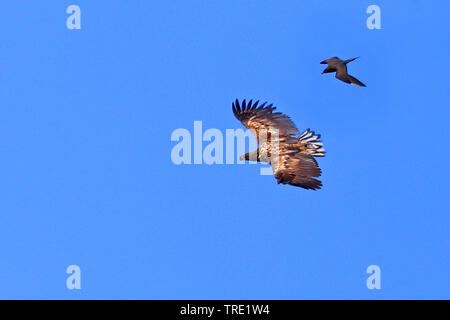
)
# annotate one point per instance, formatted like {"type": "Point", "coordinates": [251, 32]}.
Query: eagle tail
{"type": "Point", "coordinates": [310, 142]}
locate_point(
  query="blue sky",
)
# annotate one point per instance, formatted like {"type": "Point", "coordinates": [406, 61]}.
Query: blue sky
{"type": "Point", "coordinates": [87, 179]}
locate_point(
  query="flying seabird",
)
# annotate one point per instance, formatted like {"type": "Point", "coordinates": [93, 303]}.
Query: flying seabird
{"type": "Point", "coordinates": [340, 67]}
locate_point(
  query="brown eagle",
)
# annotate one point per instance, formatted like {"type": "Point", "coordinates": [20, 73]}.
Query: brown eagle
{"type": "Point", "coordinates": [291, 156]}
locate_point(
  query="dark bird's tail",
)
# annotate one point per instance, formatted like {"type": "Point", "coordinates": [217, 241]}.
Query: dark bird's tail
{"type": "Point", "coordinates": [309, 142]}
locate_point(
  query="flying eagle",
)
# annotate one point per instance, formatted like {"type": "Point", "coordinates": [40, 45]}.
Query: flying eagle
{"type": "Point", "coordinates": [291, 156]}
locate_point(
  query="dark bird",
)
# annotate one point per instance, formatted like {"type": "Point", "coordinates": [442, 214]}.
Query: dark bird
{"type": "Point", "coordinates": [292, 156]}
{"type": "Point", "coordinates": [340, 67]}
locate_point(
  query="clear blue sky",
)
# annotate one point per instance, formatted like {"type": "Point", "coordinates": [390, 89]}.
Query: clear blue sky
{"type": "Point", "coordinates": [86, 176]}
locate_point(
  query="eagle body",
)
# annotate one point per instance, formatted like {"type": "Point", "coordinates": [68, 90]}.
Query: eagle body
{"type": "Point", "coordinates": [290, 155]}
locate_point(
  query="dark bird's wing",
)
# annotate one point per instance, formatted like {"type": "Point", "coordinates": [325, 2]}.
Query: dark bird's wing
{"type": "Point", "coordinates": [342, 74]}
{"type": "Point", "coordinates": [263, 117]}
{"type": "Point", "coordinates": [349, 79]}
{"type": "Point", "coordinates": [333, 60]}
{"type": "Point", "coordinates": [297, 169]}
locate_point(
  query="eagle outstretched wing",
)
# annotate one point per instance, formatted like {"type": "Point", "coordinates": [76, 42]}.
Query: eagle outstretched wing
{"type": "Point", "coordinates": [297, 169]}
{"type": "Point", "coordinates": [294, 162]}
{"type": "Point", "coordinates": [262, 118]}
